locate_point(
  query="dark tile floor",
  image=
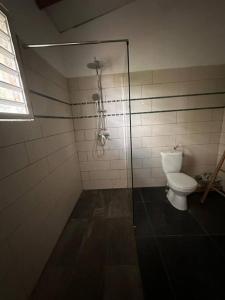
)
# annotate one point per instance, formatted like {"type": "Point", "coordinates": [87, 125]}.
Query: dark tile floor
{"type": "Point", "coordinates": [181, 254]}
{"type": "Point", "coordinates": [96, 256]}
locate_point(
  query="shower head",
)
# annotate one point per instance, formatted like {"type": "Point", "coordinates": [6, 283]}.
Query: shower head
{"type": "Point", "coordinates": [96, 64]}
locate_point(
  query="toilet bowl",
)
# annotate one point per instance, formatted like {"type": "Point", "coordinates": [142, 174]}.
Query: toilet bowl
{"type": "Point", "coordinates": [180, 184]}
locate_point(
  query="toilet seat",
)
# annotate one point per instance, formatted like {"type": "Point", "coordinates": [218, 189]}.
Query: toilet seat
{"type": "Point", "coordinates": [181, 182]}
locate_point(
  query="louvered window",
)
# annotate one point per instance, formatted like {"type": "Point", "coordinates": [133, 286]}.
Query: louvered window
{"type": "Point", "coordinates": [13, 100]}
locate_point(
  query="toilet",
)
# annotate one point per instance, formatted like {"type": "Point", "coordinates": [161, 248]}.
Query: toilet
{"type": "Point", "coordinates": [180, 184]}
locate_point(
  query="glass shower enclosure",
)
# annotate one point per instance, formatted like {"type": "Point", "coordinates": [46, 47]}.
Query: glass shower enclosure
{"type": "Point", "coordinates": [98, 78]}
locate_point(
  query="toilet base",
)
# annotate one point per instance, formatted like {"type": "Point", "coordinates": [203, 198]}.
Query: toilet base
{"type": "Point", "coordinates": [179, 201]}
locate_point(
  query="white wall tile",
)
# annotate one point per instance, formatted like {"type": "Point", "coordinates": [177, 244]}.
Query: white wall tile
{"type": "Point", "coordinates": [35, 188]}
{"type": "Point", "coordinates": [172, 75]}
{"type": "Point", "coordinates": [169, 104]}
{"type": "Point", "coordinates": [85, 176]}
{"type": "Point", "coordinates": [36, 150]}
{"type": "Point", "coordinates": [85, 123]}
{"type": "Point", "coordinates": [106, 155]}
{"type": "Point", "coordinates": [118, 164]}
{"type": "Point", "coordinates": [55, 126]}
{"type": "Point", "coordinates": [217, 114]}
{"type": "Point", "coordinates": [58, 157]}
{"type": "Point", "coordinates": [102, 174]}
{"type": "Point", "coordinates": [137, 163]}
{"type": "Point", "coordinates": [159, 118]}
{"type": "Point", "coordinates": [142, 153]}
{"type": "Point", "coordinates": [21, 182]}
{"type": "Point", "coordinates": [83, 156]}
{"type": "Point", "coordinates": [158, 141]}
{"type": "Point", "coordinates": [139, 131]}
{"type": "Point", "coordinates": [158, 172]}
{"type": "Point", "coordinates": [194, 116]}
{"type": "Point", "coordinates": [12, 159]}
{"type": "Point", "coordinates": [79, 135]}
{"type": "Point", "coordinates": [156, 132]}
{"type": "Point", "coordinates": [85, 146]}
{"type": "Point", "coordinates": [94, 165]}
{"type": "Point", "coordinates": [193, 139]}
{"type": "Point", "coordinates": [140, 78]}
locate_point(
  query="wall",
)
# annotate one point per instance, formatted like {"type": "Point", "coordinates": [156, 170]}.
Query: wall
{"type": "Point", "coordinates": [197, 131]}
{"type": "Point", "coordinates": [98, 170]}
{"type": "Point", "coordinates": [34, 27]}
{"type": "Point", "coordinates": [39, 180]}
{"type": "Point", "coordinates": [163, 34]}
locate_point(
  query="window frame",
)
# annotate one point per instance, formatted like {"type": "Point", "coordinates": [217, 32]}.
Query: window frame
{"type": "Point", "coordinates": [18, 55]}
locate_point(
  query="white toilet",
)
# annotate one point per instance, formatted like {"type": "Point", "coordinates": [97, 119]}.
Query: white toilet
{"type": "Point", "coordinates": [180, 185]}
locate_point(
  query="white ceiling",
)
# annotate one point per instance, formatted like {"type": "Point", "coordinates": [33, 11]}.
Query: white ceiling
{"type": "Point", "coordinates": [67, 14]}
{"type": "Point", "coordinates": [163, 34]}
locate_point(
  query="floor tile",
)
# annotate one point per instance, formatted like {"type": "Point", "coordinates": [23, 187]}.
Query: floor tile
{"type": "Point", "coordinates": [136, 193]}
{"type": "Point", "coordinates": [219, 241]}
{"type": "Point", "coordinates": [153, 194]}
{"type": "Point", "coordinates": [122, 282]}
{"type": "Point", "coordinates": [53, 284]}
{"type": "Point", "coordinates": [118, 203]}
{"type": "Point", "coordinates": [210, 214]}
{"type": "Point", "coordinates": [87, 204]}
{"type": "Point", "coordinates": [167, 220]}
{"type": "Point", "coordinates": [68, 246]}
{"type": "Point", "coordinates": [96, 256]}
{"type": "Point", "coordinates": [86, 281]}
{"type": "Point", "coordinates": [195, 267]}
{"type": "Point", "coordinates": [121, 245]}
{"type": "Point", "coordinates": [141, 221]}
{"type": "Point", "coordinates": [154, 277]}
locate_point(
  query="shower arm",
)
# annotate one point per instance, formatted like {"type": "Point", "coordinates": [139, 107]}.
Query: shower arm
{"type": "Point", "coordinates": [101, 103]}
{"type": "Point", "coordinates": [99, 85]}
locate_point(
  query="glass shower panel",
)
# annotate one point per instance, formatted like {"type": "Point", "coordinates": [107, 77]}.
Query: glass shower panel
{"type": "Point", "coordinates": [92, 91]}
{"type": "Point", "coordinates": [99, 92]}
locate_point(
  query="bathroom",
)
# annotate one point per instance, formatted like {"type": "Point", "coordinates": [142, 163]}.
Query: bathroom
{"type": "Point", "coordinates": [116, 115]}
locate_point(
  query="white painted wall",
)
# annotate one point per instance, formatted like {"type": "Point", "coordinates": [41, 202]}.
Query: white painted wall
{"type": "Point", "coordinates": [163, 34]}
{"type": "Point", "coordinates": [33, 26]}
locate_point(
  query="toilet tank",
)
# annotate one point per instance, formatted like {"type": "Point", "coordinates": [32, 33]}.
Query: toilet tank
{"type": "Point", "coordinates": [172, 161]}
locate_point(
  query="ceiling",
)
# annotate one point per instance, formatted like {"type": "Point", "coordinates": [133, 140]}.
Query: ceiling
{"type": "Point", "coordinates": [67, 14]}
{"type": "Point", "coordinates": [45, 3]}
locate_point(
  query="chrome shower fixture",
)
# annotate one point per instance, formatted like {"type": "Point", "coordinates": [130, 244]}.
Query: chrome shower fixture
{"type": "Point", "coordinates": [95, 65]}
{"type": "Point", "coordinates": [101, 135]}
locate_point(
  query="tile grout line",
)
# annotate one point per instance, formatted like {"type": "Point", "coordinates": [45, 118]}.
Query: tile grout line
{"type": "Point", "coordinates": [209, 236]}
{"type": "Point", "coordinates": [196, 220]}
{"type": "Point", "coordinates": [37, 139]}
{"type": "Point", "coordinates": [158, 247]}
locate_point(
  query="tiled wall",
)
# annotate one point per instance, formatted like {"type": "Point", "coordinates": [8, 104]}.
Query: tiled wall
{"type": "Point", "coordinates": [198, 132]}
{"type": "Point", "coordinates": [110, 169]}
{"type": "Point", "coordinates": [39, 181]}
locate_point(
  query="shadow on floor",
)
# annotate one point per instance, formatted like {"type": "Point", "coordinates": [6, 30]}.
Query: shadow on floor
{"type": "Point", "coordinates": [96, 256]}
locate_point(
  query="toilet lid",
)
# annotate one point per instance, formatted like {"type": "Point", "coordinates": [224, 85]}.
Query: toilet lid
{"type": "Point", "coordinates": [181, 181]}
